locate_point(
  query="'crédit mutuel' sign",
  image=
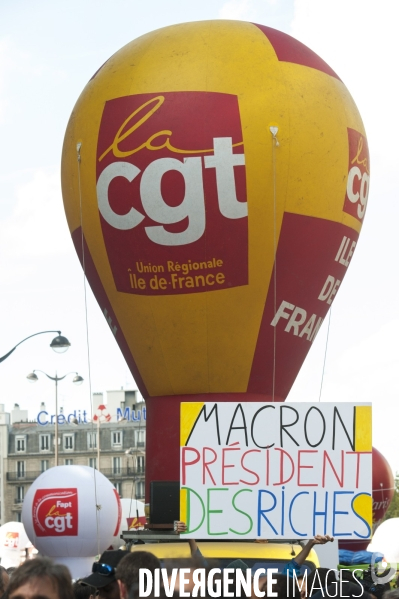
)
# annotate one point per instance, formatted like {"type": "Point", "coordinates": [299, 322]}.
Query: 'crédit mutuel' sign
{"type": "Point", "coordinates": [80, 416]}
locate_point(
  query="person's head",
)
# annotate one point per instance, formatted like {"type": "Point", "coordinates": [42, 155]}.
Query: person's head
{"type": "Point", "coordinates": [83, 591]}
{"type": "Point", "coordinates": [4, 580]}
{"type": "Point", "coordinates": [11, 570]}
{"type": "Point", "coordinates": [103, 576]}
{"type": "Point", "coordinates": [320, 578]}
{"type": "Point", "coordinates": [127, 572]}
{"type": "Point", "coordinates": [239, 572]}
{"type": "Point", "coordinates": [283, 586]}
{"type": "Point", "coordinates": [42, 578]}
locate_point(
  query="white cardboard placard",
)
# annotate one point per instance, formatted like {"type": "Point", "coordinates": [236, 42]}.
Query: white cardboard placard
{"type": "Point", "coordinates": [276, 470]}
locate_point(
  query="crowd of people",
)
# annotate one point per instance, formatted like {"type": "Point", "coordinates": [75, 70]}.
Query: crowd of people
{"type": "Point", "coordinates": [116, 575]}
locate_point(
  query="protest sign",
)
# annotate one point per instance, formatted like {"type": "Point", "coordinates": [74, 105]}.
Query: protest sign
{"type": "Point", "coordinates": [276, 470]}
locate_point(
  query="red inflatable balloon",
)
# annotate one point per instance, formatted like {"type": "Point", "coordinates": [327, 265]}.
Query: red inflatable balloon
{"type": "Point", "coordinates": [383, 487]}
{"type": "Point", "coordinates": [383, 492]}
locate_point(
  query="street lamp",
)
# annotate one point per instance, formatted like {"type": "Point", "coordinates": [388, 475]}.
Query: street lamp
{"type": "Point", "coordinates": [77, 380]}
{"type": "Point", "coordinates": [131, 452]}
{"type": "Point", "coordinates": [59, 344]}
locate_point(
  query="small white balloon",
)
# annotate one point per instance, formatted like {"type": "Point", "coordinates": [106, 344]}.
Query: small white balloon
{"type": "Point", "coordinates": [13, 537]}
{"type": "Point", "coordinates": [71, 512]}
{"type": "Point", "coordinates": [11, 559]}
{"type": "Point", "coordinates": [133, 518]}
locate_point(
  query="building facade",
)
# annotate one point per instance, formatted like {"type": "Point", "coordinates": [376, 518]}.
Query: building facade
{"type": "Point", "coordinates": [113, 442]}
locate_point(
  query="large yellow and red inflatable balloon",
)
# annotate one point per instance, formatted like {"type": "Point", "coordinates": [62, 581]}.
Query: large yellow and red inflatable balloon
{"type": "Point", "coordinates": [217, 173]}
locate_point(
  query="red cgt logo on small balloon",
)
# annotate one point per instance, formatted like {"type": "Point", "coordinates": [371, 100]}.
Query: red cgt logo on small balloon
{"type": "Point", "coordinates": [137, 522]}
{"type": "Point", "coordinates": [55, 512]}
{"type": "Point", "coordinates": [12, 539]}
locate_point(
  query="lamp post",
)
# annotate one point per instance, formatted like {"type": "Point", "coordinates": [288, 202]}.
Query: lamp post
{"type": "Point", "coordinates": [59, 344]}
{"type": "Point", "coordinates": [131, 452]}
{"type": "Point", "coordinates": [98, 445]}
{"type": "Point", "coordinates": [77, 380]}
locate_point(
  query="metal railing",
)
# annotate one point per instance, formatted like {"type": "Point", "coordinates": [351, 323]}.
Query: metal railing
{"type": "Point", "coordinates": [123, 472]}
{"type": "Point", "coordinates": [22, 476]}
{"type": "Point", "coordinates": [19, 476]}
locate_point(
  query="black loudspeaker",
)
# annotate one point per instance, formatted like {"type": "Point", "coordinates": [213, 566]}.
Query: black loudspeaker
{"type": "Point", "coordinates": [164, 502]}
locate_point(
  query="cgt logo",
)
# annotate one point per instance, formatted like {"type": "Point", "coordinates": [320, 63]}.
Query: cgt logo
{"type": "Point", "coordinates": [11, 540]}
{"type": "Point", "coordinates": [171, 191]}
{"type": "Point", "coordinates": [55, 512]}
{"type": "Point", "coordinates": [136, 523]}
{"type": "Point", "coordinates": [357, 187]}
{"type": "Point", "coordinates": [192, 205]}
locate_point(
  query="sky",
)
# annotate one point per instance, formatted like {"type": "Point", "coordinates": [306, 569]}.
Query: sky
{"type": "Point", "coordinates": [48, 51]}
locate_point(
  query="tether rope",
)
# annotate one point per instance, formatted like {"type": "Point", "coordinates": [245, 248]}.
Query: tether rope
{"type": "Point", "coordinates": [325, 352]}
{"type": "Point", "coordinates": [275, 144]}
{"type": "Point", "coordinates": [98, 507]}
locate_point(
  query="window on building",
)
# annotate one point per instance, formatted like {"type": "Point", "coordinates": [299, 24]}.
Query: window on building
{"type": "Point", "coordinates": [140, 464]}
{"type": "Point", "coordinates": [140, 489]}
{"type": "Point", "coordinates": [116, 465]}
{"type": "Point", "coordinates": [91, 440]}
{"type": "Point", "coordinates": [20, 494]}
{"type": "Point", "coordinates": [20, 443]}
{"type": "Point", "coordinates": [116, 439]}
{"type": "Point", "coordinates": [93, 462]}
{"type": "Point", "coordinates": [20, 469]}
{"type": "Point", "coordinates": [68, 441]}
{"type": "Point", "coordinates": [118, 487]}
{"type": "Point", "coordinates": [19, 516]}
{"type": "Point", "coordinates": [69, 462]}
{"type": "Point", "coordinates": [44, 465]}
{"type": "Point", "coordinates": [44, 443]}
{"type": "Point", "coordinates": [140, 438]}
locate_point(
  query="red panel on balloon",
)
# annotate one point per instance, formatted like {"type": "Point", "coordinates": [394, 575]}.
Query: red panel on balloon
{"type": "Point", "coordinates": [171, 192]}
{"type": "Point", "coordinates": [312, 259]}
{"type": "Point", "coordinates": [136, 522]}
{"type": "Point", "coordinates": [55, 512]}
{"type": "Point", "coordinates": [357, 187]}
{"type": "Point", "coordinates": [97, 287]}
{"type": "Point", "coordinates": [118, 522]}
{"type": "Point", "coordinates": [288, 49]}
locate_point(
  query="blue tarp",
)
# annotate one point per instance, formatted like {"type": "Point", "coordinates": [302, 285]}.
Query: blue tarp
{"type": "Point", "coordinates": [352, 558]}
